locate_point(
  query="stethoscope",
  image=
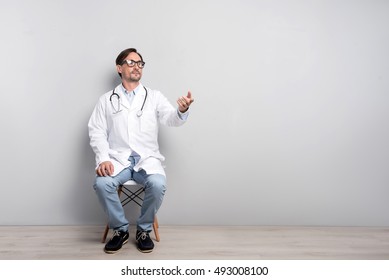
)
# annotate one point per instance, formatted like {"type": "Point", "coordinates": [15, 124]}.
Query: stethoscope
{"type": "Point", "coordinates": [118, 109]}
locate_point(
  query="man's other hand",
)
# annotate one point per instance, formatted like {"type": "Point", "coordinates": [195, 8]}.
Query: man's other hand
{"type": "Point", "coordinates": [105, 169]}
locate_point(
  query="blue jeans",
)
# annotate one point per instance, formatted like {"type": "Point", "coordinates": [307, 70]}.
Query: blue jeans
{"type": "Point", "coordinates": [106, 190]}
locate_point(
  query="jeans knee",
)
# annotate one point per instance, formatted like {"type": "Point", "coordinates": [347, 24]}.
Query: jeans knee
{"type": "Point", "coordinates": [104, 184]}
{"type": "Point", "coordinates": [156, 185]}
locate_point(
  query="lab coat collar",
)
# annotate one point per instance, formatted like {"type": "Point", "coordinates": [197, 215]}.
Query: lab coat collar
{"type": "Point", "coordinates": [139, 91]}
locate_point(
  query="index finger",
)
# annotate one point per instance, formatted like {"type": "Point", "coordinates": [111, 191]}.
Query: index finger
{"type": "Point", "coordinates": [189, 96]}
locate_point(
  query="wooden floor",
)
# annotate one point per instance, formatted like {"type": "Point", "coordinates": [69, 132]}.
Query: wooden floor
{"type": "Point", "coordinates": [200, 242]}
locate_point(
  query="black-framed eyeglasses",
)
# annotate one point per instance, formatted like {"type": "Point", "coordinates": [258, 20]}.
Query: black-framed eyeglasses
{"type": "Point", "coordinates": [131, 63]}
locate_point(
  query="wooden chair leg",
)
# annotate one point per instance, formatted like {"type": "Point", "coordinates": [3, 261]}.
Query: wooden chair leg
{"type": "Point", "coordinates": [105, 234]}
{"type": "Point", "coordinates": [155, 227]}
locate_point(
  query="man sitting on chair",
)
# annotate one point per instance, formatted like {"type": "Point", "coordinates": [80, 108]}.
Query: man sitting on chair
{"type": "Point", "coordinates": [123, 131]}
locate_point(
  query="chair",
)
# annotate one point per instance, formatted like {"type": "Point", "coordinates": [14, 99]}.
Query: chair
{"type": "Point", "coordinates": [131, 191]}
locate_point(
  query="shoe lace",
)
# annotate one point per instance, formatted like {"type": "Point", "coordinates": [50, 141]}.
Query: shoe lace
{"type": "Point", "coordinates": [115, 233]}
{"type": "Point", "coordinates": [142, 235]}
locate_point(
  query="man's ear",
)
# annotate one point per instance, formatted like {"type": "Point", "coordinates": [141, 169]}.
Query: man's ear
{"type": "Point", "coordinates": [119, 68]}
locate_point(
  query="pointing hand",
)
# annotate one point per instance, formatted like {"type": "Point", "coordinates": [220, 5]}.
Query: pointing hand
{"type": "Point", "coordinates": [184, 102]}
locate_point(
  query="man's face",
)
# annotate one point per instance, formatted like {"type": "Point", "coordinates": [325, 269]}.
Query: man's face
{"type": "Point", "coordinates": [131, 74]}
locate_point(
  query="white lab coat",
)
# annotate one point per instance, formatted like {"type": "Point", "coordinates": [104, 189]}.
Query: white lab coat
{"type": "Point", "coordinates": [113, 137]}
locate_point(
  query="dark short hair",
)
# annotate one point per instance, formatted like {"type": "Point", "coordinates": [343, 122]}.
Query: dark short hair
{"type": "Point", "coordinates": [124, 54]}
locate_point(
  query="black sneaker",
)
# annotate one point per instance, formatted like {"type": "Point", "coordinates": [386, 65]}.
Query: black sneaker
{"type": "Point", "coordinates": [145, 244]}
{"type": "Point", "coordinates": [115, 244]}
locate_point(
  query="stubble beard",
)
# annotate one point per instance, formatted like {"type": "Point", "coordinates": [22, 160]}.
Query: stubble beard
{"type": "Point", "coordinates": [135, 77]}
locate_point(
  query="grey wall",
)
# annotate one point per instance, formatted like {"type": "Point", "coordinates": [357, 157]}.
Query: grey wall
{"type": "Point", "coordinates": [289, 124]}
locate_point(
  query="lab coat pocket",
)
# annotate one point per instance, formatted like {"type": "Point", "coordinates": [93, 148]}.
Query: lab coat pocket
{"type": "Point", "coordinates": [148, 122]}
{"type": "Point", "coordinates": [118, 122]}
